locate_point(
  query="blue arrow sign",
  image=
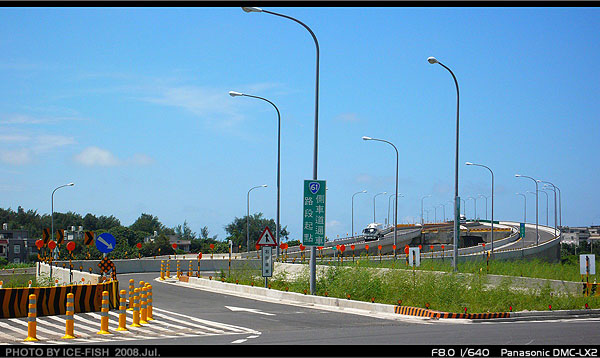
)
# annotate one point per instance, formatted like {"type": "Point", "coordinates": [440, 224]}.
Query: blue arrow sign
{"type": "Point", "coordinates": [106, 243]}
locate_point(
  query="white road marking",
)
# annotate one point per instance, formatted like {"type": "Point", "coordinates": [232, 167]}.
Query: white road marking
{"type": "Point", "coordinates": [251, 310]}
{"type": "Point", "coordinates": [164, 326]}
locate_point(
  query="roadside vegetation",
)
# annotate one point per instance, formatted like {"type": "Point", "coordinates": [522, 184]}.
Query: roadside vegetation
{"type": "Point", "coordinates": [448, 292]}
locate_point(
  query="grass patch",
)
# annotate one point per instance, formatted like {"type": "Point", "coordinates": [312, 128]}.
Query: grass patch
{"type": "Point", "coordinates": [447, 292]}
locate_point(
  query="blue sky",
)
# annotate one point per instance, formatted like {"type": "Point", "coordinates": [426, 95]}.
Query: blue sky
{"type": "Point", "coordinates": [131, 104]}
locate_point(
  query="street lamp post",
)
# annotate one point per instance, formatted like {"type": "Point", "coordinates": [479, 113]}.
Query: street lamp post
{"type": "Point", "coordinates": [248, 216]}
{"type": "Point", "coordinates": [433, 60]}
{"type": "Point", "coordinates": [492, 173]}
{"type": "Point", "coordinates": [385, 192]}
{"type": "Point", "coordinates": [537, 236]}
{"type": "Point", "coordinates": [426, 196]}
{"type": "Point", "coordinates": [486, 204]}
{"type": "Point", "coordinates": [236, 94]}
{"type": "Point", "coordinates": [551, 186]}
{"type": "Point", "coordinates": [52, 204]}
{"type": "Point", "coordinates": [389, 203]}
{"type": "Point", "coordinates": [474, 207]}
{"type": "Point", "coordinates": [358, 192]}
{"type": "Point", "coordinates": [396, 192]}
{"type": "Point", "coordinates": [547, 198]}
{"type": "Point", "coordinates": [313, 249]}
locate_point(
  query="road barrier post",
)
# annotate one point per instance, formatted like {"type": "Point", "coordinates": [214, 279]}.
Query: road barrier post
{"type": "Point", "coordinates": [149, 303]}
{"type": "Point", "coordinates": [104, 314]}
{"type": "Point", "coordinates": [131, 289]}
{"type": "Point", "coordinates": [162, 270]}
{"type": "Point", "coordinates": [136, 308]}
{"type": "Point", "coordinates": [69, 322]}
{"type": "Point", "coordinates": [178, 272]}
{"type": "Point", "coordinates": [168, 271]}
{"type": "Point", "coordinates": [143, 308]}
{"type": "Point", "coordinates": [31, 320]}
{"type": "Point", "coordinates": [122, 314]}
{"type": "Point", "coordinates": [190, 269]}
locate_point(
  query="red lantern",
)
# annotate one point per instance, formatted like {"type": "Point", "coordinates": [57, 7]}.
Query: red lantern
{"type": "Point", "coordinates": [174, 246]}
{"type": "Point", "coordinates": [282, 246]}
{"type": "Point", "coordinates": [406, 250]}
{"type": "Point", "coordinates": [394, 247]}
{"type": "Point", "coordinates": [139, 245]}
{"type": "Point", "coordinates": [431, 247]}
{"type": "Point", "coordinates": [302, 247]}
{"type": "Point", "coordinates": [212, 246]}
{"type": "Point", "coordinates": [199, 255]}
{"type": "Point", "coordinates": [257, 247]}
{"type": "Point", "coordinates": [52, 244]}
{"type": "Point", "coordinates": [337, 247]}
{"type": "Point", "coordinates": [367, 247]}
{"type": "Point", "coordinates": [285, 246]}
{"type": "Point", "coordinates": [39, 244]}
{"type": "Point", "coordinates": [379, 247]}
{"type": "Point", "coordinates": [352, 247]}
{"type": "Point", "coordinates": [342, 248]}
{"type": "Point", "coordinates": [483, 245]}
{"type": "Point", "coordinates": [420, 247]}
{"type": "Point", "coordinates": [442, 247]}
{"type": "Point", "coordinates": [71, 246]}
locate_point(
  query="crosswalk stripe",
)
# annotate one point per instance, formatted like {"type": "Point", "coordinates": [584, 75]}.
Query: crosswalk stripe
{"type": "Point", "coordinates": [211, 323]}
{"type": "Point", "coordinates": [79, 327]}
{"type": "Point", "coordinates": [38, 327]}
{"type": "Point", "coordinates": [192, 325]}
{"type": "Point", "coordinates": [186, 323]}
{"type": "Point", "coordinates": [19, 331]}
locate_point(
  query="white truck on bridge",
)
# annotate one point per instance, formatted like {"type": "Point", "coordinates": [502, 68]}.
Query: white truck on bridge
{"type": "Point", "coordinates": [373, 231]}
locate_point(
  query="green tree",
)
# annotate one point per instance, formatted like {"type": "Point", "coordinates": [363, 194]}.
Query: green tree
{"type": "Point", "coordinates": [237, 230]}
{"type": "Point", "coordinates": [147, 223]}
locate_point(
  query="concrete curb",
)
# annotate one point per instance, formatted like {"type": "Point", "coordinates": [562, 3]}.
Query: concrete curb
{"type": "Point", "coordinates": [351, 305]}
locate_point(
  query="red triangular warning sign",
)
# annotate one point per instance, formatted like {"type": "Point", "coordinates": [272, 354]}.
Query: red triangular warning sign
{"type": "Point", "coordinates": [266, 238]}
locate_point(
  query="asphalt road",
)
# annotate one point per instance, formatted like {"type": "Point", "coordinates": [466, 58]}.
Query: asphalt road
{"type": "Point", "coordinates": [295, 325]}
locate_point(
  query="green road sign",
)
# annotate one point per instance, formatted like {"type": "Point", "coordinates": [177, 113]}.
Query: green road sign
{"type": "Point", "coordinates": [522, 230]}
{"type": "Point", "coordinates": [313, 223]}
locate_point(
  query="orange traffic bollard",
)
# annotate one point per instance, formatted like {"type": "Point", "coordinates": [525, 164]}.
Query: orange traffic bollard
{"type": "Point", "coordinates": [131, 288]}
{"type": "Point", "coordinates": [143, 308]}
{"type": "Point", "coordinates": [69, 322]}
{"type": "Point", "coordinates": [122, 314]}
{"type": "Point", "coordinates": [149, 303]}
{"type": "Point", "coordinates": [162, 270]}
{"type": "Point", "coordinates": [31, 320]}
{"type": "Point", "coordinates": [104, 314]}
{"type": "Point", "coordinates": [136, 308]}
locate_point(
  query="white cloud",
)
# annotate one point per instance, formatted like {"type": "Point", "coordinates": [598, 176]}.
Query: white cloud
{"type": "Point", "coordinates": [94, 156]}
{"type": "Point", "coordinates": [26, 119]}
{"type": "Point", "coordinates": [16, 157]}
{"type": "Point", "coordinates": [20, 149]}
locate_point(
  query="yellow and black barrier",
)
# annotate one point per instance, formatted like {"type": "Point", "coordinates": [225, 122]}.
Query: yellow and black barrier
{"type": "Point", "coordinates": [423, 312]}
{"type": "Point", "coordinates": [51, 300]}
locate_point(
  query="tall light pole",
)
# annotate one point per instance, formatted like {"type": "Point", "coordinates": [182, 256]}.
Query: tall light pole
{"type": "Point", "coordinates": [52, 204]}
{"type": "Point", "coordinates": [492, 173]}
{"type": "Point", "coordinates": [444, 211]}
{"type": "Point", "coordinates": [396, 192]}
{"type": "Point", "coordinates": [385, 192]}
{"type": "Point", "coordinates": [541, 191]}
{"type": "Point", "coordinates": [427, 213]}
{"type": "Point", "coordinates": [237, 94]}
{"type": "Point", "coordinates": [389, 203]}
{"type": "Point", "coordinates": [358, 192]}
{"type": "Point", "coordinates": [553, 188]}
{"type": "Point", "coordinates": [433, 60]}
{"type": "Point", "coordinates": [426, 196]}
{"type": "Point", "coordinates": [486, 204]}
{"type": "Point", "coordinates": [313, 249]}
{"type": "Point", "coordinates": [474, 207]}
{"type": "Point", "coordinates": [248, 216]}
{"type": "Point", "coordinates": [537, 236]}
